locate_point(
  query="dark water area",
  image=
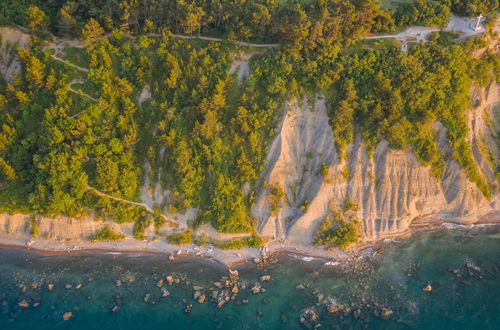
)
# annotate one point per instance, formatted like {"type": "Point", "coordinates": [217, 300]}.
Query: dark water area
{"type": "Point", "coordinates": [382, 292]}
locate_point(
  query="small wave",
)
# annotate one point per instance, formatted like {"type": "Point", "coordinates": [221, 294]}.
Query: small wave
{"type": "Point", "coordinates": [306, 258]}
{"type": "Point", "coordinates": [113, 253]}
{"type": "Point", "coordinates": [332, 263]}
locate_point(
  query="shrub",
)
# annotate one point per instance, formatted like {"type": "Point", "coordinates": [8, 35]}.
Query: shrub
{"type": "Point", "coordinates": [34, 232]}
{"type": "Point", "coordinates": [181, 238]}
{"type": "Point", "coordinates": [238, 243]}
{"type": "Point", "coordinates": [106, 234]}
{"type": "Point", "coordinates": [333, 232]}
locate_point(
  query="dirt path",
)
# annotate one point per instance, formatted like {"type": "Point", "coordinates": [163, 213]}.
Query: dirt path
{"type": "Point", "coordinates": [235, 42]}
{"type": "Point", "coordinates": [415, 32]}
{"type": "Point", "coordinates": [144, 205]}
{"type": "Point", "coordinates": [79, 81]}
{"type": "Point", "coordinates": [54, 56]}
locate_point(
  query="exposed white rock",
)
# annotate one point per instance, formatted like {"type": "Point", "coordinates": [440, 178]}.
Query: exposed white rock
{"type": "Point", "coordinates": [391, 189]}
{"type": "Point", "coordinates": [11, 38]}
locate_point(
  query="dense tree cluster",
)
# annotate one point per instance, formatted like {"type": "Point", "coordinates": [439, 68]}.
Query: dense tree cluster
{"type": "Point", "coordinates": [202, 134]}
{"type": "Point", "coordinates": [337, 231]}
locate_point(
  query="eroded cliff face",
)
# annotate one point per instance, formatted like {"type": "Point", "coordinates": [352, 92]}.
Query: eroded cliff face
{"type": "Point", "coordinates": [64, 229]}
{"type": "Point", "coordinates": [11, 39]}
{"type": "Point", "coordinates": [390, 190]}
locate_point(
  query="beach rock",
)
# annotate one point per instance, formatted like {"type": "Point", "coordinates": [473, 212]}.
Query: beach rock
{"type": "Point", "coordinates": [427, 288]}
{"type": "Point", "coordinates": [218, 285]}
{"type": "Point", "coordinates": [171, 257]}
{"type": "Point", "coordinates": [79, 286]}
{"type": "Point", "coordinates": [177, 280]}
{"type": "Point", "coordinates": [165, 292]}
{"type": "Point", "coordinates": [159, 283]}
{"type": "Point", "coordinates": [34, 285]}
{"type": "Point", "coordinates": [309, 318]}
{"type": "Point", "coordinates": [197, 287]}
{"type": "Point", "coordinates": [50, 287]}
{"type": "Point", "coordinates": [300, 287]}
{"type": "Point", "coordinates": [265, 278]}
{"type": "Point", "coordinates": [67, 316]}
{"type": "Point", "coordinates": [196, 294]}
{"type": "Point", "coordinates": [68, 286]}
{"type": "Point", "coordinates": [386, 313]}
{"type": "Point", "coordinates": [235, 289]}
{"type": "Point", "coordinates": [146, 297]}
{"type": "Point", "coordinates": [36, 304]}
{"type": "Point", "coordinates": [201, 299]}
{"type": "Point", "coordinates": [333, 308]}
{"type": "Point", "coordinates": [169, 279]}
{"type": "Point", "coordinates": [188, 308]}
{"type": "Point", "coordinates": [256, 288]}
{"type": "Point", "coordinates": [118, 283]}
{"type": "Point", "coordinates": [233, 274]}
{"type": "Point", "coordinates": [221, 303]}
{"type": "Point", "coordinates": [115, 309]}
{"type": "Point", "coordinates": [23, 303]}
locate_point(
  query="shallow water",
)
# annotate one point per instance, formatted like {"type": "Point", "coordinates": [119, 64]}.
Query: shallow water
{"type": "Point", "coordinates": [463, 268]}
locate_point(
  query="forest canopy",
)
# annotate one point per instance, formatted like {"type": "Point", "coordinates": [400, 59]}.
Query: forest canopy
{"type": "Point", "coordinates": [75, 120]}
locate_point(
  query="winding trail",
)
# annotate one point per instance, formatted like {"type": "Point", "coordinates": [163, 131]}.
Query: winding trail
{"type": "Point", "coordinates": [69, 63]}
{"type": "Point", "coordinates": [234, 42]}
{"type": "Point", "coordinates": [144, 205]}
{"type": "Point", "coordinates": [79, 81]}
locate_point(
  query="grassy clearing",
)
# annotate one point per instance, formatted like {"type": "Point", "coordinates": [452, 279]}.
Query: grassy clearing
{"type": "Point", "coordinates": [77, 56]}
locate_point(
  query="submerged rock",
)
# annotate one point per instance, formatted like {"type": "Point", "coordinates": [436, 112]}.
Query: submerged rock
{"type": "Point", "coordinates": [188, 308]}
{"type": "Point", "coordinates": [23, 303]}
{"type": "Point", "coordinates": [309, 318]}
{"type": "Point", "coordinates": [256, 288]}
{"type": "Point", "coordinates": [169, 279]}
{"type": "Point", "coordinates": [386, 313]}
{"type": "Point", "coordinates": [67, 316]}
{"type": "Point", "coordinates": [50, 287]}
{"type": "Point", "coordinates": [333, 308]}
{"type": "Point", "coordinates": [427, 288]}
{"type": "Point", "coordinates": [165, 292]}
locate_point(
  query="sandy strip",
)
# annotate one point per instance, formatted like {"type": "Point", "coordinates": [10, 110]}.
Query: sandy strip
{"type": "Point", "coordinates": [227, 258]}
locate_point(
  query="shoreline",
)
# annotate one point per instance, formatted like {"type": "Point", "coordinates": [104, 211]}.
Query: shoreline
{"type": "Point", "coordinates": [229, 258]}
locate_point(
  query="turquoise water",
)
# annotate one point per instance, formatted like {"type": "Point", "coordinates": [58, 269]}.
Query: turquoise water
{"type": "Point", "coordinates": [462, 267]}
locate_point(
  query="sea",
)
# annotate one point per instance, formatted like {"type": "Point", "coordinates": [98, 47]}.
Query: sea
{"type": "Point", "coordinates": [444, 279]}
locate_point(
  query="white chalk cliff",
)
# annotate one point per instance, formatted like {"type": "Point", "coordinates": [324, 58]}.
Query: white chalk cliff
{"type": "Point", "coordinates": [391, 189]}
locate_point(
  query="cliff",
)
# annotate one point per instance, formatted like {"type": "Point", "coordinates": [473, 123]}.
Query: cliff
{"type": "Point", "coordinates": [390, 190]}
